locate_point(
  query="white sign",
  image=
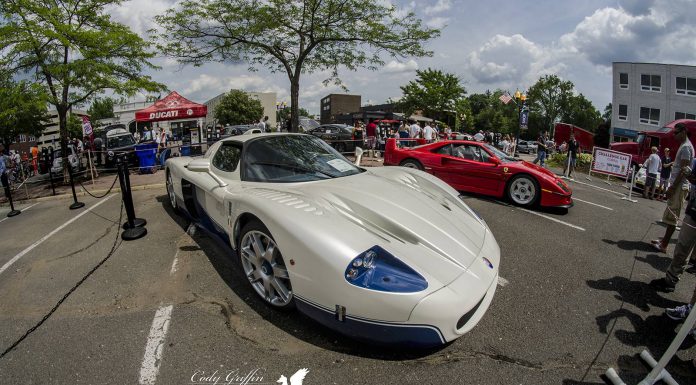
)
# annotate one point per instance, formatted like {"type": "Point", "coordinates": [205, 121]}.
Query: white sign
{"type": "Point", "coordinates": [610, 162]}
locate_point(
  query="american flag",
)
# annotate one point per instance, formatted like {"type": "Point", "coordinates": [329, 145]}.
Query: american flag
{"type": "Point", "coordinates": [505, 98]}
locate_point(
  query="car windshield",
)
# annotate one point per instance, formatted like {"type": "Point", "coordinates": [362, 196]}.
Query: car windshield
{"type": "Point", "coordinates": [294, 158]}
{"type": "Point", "coordinates": [120, 141]}
{"type": "Point", "coordinates": [499, 154]}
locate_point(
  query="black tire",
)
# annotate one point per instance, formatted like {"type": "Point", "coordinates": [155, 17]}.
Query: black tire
{"type": "Point", "coordinates": [523, 190]}
{"type": "Point", "coordinates": [170, 191]}
{"type": "Point", "coordinates": [268, 269]}
{"type": "Point", "coordinates": [411, 163]}
{"type": "Point", "coordinates": [341, 147]}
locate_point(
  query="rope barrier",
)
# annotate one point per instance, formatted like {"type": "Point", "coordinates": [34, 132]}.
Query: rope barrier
{"type": "Point", "coordinates": [114, 247]}
{"type": "Point", "coordinates": [102, 196]}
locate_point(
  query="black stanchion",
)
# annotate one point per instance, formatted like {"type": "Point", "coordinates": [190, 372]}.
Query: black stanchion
{"type": "Point", "coordinates": [8, 194]}
{"type": "Point", "coordinates": [130, 209]}
{"type": "Point", "coordinates": [131, 231]}
{"type": "Point", "coordinates": [53, 187]}
{"type": "Point", "coordinates": [76, 204]}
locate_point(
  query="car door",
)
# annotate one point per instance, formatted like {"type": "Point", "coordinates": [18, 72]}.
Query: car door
{"type": "Point", "coordinates": [224, 163]}
{"type": "Point", "coordinates": [471, 168]}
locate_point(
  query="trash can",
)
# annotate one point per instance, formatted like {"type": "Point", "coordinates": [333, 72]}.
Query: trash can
{"type": "Point", "coordinates": [185, 150]}
{"type": "Point", "coordinates": [146, 157]}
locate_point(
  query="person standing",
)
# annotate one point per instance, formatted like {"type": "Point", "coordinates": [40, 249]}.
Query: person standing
{"type": "Point", "coordinates": [653, 166]}
{"type": "Point", "coordinates": [572, 148]}
{"type": "Point", "coordinates": [358, 134]}
{"type": "Point", "coordinates": [685, 244]}
{"type": "Point", "coordinates": [371, 132]}
{"type": "Point", "coordinates": [541, 149]}
{"type": "Point", "coordinates": [678, 188]}
{"type": "Point", "coordinates": [665, 173]}
{"type": "Point", "coordinates": [3, 170]}
{"type": "Point", "coordinates": [428, 133]}
{"type": "Point", "coordinates": [98, 149]}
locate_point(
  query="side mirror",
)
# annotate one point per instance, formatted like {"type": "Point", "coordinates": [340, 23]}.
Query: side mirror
{"type": "Point", "coordinates": [199, 165]}
{"type": "Point", "coordinates": [495, 161]}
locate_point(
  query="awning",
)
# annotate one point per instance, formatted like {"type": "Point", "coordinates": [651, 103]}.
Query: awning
{"type": "Point", "coordinates": [172, 107]}
{"type": "Point", "coordinates": [624, 132]}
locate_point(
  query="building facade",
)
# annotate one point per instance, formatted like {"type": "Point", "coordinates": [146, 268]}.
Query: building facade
{"type": "Point", "coordinates": [267, 99]}
{"type": "Point", "coordinates": [334, 105]}
{"type": "Point", "coordinates": [646, 96]}
{"type": "Point", "coordinates": [51, 133]}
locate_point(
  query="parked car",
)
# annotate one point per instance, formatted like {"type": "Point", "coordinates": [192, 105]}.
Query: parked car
{"type": "Point", "coordinates": [339, 136]}
{"type": "Point", "coordinates": [235, 130]}
{"type": "Point", "coordinates": [528, 147]}
{"type": "Point", "coordinates": [120, 141]}
{"type": "Point", "coordinates": [73, 159]}
{"type": "Point", "coordinates": [290, 206]}
{"type": "Point", "coordinates": [254, 130]}
{"type": "Point", "coordinates": [481, 168]}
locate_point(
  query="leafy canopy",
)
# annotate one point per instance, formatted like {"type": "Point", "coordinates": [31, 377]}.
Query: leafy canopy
{"type": "Point", "coordinates": [433, 92]}
{"type": "Point", "coordinates": [101, 108]}
{"type": "Point", "coordinates": [293, 37]}
{"type": "Point", "coordinates": [237, 107]}
{"type": "Point", "coordinates": [22, 109]}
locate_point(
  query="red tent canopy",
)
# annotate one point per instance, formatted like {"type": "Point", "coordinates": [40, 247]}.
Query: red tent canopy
{"type": "Point", "coordinates": [172, 107]}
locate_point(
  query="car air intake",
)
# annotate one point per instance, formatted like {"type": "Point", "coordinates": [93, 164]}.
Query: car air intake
{"type": "Point", "coordinates": [466, 317]}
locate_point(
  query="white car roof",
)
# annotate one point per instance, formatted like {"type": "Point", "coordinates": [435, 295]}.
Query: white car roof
{"type": "Point", "coordinates": [244, 138]}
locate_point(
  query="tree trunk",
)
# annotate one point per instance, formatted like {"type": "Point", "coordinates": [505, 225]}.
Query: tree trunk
{"type": "Point", "coordinates": [294, 103]}
{"type": "Point", "coordinates": [63, 130]}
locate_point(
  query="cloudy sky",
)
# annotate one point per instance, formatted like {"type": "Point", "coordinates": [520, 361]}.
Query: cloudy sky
{"type": "Point", "coordinates": [487, 44]}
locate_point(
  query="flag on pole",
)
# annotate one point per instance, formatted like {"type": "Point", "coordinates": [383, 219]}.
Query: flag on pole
{"type": "Point", "coordinates": [505, 98]}
{"type": "Point", "coordinates": [87, 131]}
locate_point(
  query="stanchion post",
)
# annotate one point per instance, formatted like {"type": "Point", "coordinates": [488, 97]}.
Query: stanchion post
{"type": "Point", "coordinates": [76, 204]}
{"type": "Point", "coordinates": [50, 176]}
{"type": "Point", "coordinates": [136, 222]}
{"type": "Point", "coordinates": [630, 188]}
{"type": "Point", "coordinates": [8, 194]}
{"type": "Point", "coordinates": [131, 232]}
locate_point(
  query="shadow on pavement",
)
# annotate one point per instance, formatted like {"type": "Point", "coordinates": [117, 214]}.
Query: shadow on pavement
{"type": "Point", "coordinates": [292, 322]}
{"type": "Point", "coordinates": [638, 294]}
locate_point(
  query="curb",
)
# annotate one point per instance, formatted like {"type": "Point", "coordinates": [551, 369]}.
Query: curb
{"type": "Point", "coordinates": [83, 193]}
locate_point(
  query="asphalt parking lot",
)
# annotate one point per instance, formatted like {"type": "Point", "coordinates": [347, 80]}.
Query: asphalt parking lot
{"type": "Point", "coordinates": [175, 308]}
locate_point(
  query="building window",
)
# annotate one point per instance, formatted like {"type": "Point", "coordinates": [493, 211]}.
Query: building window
{"type": "Point", "coordinates": [623, 80]}
{"type": "Point", "coordinates": [651, 83]}
{"type": "Point", "coordinates": [684, 115]}
{"type": "Point", "coordinates": [623, 112]}
{"type": "Point", "coordinates": [686, 86]}
{"type": "Point", "coordinates": [650, 116]}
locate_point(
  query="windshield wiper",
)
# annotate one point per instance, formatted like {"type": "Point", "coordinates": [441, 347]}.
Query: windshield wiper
{"type": "Point", "coordinates": [294, 166]}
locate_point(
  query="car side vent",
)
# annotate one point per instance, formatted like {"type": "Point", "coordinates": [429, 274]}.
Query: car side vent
{"type": "Point", "coordinates": [288, 200]}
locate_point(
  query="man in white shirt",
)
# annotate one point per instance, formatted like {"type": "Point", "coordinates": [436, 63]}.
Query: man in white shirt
{"type": "Point", "coordinates": [653, 165]}
{"type": "Point", "coordinates": [479, 136]}
{"type": "Point", "coordinates": [414, 132]}
{"type": "Point", "coordinates": [428, 133]}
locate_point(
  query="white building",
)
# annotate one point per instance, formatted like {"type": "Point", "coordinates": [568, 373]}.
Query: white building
{"type": "Point", "coordinates": [267, 99]}
{"type": "Point", "coordinates": [646, 96]}
{"type": "Point", "coordinates": [51, 133]}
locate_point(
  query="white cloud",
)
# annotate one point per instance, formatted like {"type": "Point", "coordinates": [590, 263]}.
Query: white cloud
{"type": "Point", "coordinates": [439, 7]}
{"type": "Point", "coordinates": [395, 67]}
{"type": "Point", "coordinates": [437, 22]}
{"type": "Point", "coordinates": [504, 60]}
{"type": "Point", "coordinates": [139, 14]}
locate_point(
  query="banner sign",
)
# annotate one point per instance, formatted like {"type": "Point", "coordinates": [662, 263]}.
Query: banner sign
{"type": "Point", "coordinates": [86, 127]}
{"type": "Point", "coordinates": [610, 162]}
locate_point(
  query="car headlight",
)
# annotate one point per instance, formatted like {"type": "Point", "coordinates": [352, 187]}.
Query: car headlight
{"type": "Point", "coordinates": [376, 269]}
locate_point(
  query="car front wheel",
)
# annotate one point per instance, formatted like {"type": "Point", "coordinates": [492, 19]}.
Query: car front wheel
{"type": "Point", "coordinates": [170, 190]}
{"type": "Point", "coordinates": [523, 190]}
{"type": "Point", "coordinates": [264, 266]}
{"type": "Point", "coordinates": [411, 163]}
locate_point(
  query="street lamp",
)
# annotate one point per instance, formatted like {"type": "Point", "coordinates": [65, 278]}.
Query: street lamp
{"type": "Point", "coordinates": [520, 99]}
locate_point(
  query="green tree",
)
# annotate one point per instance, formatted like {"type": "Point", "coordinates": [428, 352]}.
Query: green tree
{"type": "Point", "coordinates": [22, 110]}
{"type": "Point", "coordinates": [294, 37]}
{"type": "Point", "coordinates": [74, 126]}
{"type": "Point", "coordinates": [284, 114]}
{"type": "Point", "coordinates": [608, 110]}
{"type": "Point", "coordinates": [101, 108]}
{"type": "Point", "coordinates": [74, 49]}
{"type": "Point", "coordinates": [547, 99]}
{"type": "Point", "coordinates": [237, 107]}
{"type": "Point", "coordinates": [490, 114]}
{"type": "Point", "coordinates": [433, 92]}
{"type": "Point", "coordinates": [580, 112]}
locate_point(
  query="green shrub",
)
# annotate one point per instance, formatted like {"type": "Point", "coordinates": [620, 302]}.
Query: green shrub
{"type": "Point", "coordinates": [582, 164]}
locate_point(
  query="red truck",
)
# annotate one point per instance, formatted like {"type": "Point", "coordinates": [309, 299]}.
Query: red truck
{"type": "Point", "coordinates": [585, 138]}
{"type": "Point", "coordinates": [662, 138]}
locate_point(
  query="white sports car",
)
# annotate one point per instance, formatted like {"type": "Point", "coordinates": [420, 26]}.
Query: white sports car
{"type": "Point", "coordinates": [390, 255]}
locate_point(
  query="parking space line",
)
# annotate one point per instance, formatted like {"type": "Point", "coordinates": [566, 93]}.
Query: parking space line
{"type": "Point", "coordinates": [502, 282]}
{"type": "Point", "coordinates": [22, 210]}
{"type": "Point", "coordinates": [553, 219]}
{"type": "Point", "coordinates": [155, 345]}
{"type": "Point", "coordinates": [49, 235]}
{"type": "Point", "coordinates": [593, 204]}
{"type": "Point", "coordinates": [598, 188]}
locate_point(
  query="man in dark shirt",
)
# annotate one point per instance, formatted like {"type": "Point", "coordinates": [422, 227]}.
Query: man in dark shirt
{"type": "Point", "coordinates": [572, 154]}
{"type": "Point", "coordinates": [541, 149]}
{"type": "Point", "coordinates": [666, 172]}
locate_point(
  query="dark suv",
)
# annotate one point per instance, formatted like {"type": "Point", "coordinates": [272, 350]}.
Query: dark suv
{"type": "Point", "coordinates": [339, 136]}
